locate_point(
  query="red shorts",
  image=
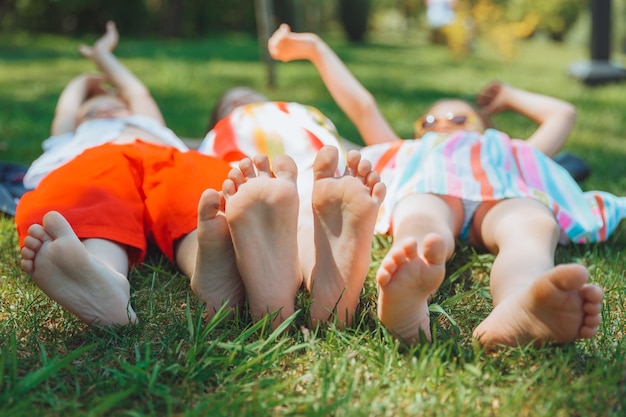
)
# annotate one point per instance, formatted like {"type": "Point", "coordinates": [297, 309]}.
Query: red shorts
{"type": "Point", "coordinates": [129, 194]}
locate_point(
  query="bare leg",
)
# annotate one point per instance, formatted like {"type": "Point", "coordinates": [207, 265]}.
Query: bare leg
{"type": "Point", "coordinates": [82, 282]}
{"type": "Point", "coordinates": [262, 213]}
{"type": "Point", "coordinates": [407, 278]}
{"type": "Point", "coordinates": [344, 214]}
{"type": "Point", "coordinates": [533, 299]}
{"type": "Point", "coordinates": [209, 253]}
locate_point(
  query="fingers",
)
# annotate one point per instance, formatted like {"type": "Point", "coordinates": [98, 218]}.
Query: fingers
{"type": "Point", "coordinates": [111, 27]}
{"type": "Point", "coordinates": [491, 98]}
{"type": "Point", "coordinates": [276, 41]}
{"type": "Point", "coordinates": [85, 51]}
{"type": "Point", "coordinates": [488, 94]}
{"type": "Point", "coordinates": [109, 40]}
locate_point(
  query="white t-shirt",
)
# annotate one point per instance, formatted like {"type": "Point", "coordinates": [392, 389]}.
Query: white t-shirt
{"type": "Point", "coordinates": [59, 150]}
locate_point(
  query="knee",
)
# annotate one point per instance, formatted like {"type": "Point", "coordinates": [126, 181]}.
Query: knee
{"type": "Point", "coordinates": [527, 223]}
{"type": "Point", "coordinates": [540, 226]}
{"type": "Point", "coordinates": [542, 222]}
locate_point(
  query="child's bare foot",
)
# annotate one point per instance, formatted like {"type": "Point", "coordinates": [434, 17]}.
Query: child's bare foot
{"type": "Point", "coordinates": [559, 307]}
{"type": "Point", "coordinates": [216, 280]}
{"type": "Point", "coordinates": [63, 268]}
{"type": "Point", "coordinates": [344, 213]}
{"type": "Point", "coordinates": [406, 281]}
{"type": "Point", "coordinates": [262, 213]}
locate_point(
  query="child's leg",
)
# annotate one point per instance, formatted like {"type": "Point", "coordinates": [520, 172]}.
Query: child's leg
{"type": "Point", "coordinates": [425, 227]}
{"type": "Point", "coordinates": [336, 235]}
{"type": "Point", "coordinates": [262, 213]}
{"type": "Point", "coordinates": [87, 279]}
{"type": "Point", "coordinates": [206, 255]}
{"type": "Point", "coordinates": [533, 299]}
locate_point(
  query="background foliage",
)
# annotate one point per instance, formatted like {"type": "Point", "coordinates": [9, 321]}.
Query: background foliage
{"type": "Point", "coordinates": [188, 18]}
{"type": "Point", "coordinates": [502, 23]}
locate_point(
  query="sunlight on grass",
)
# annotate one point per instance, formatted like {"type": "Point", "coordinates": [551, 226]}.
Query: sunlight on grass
{"type": "Point", "coordinates": [175, 363]}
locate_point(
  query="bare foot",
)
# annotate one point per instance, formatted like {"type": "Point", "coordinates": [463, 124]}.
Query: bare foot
{"type": "Point", "coordinates": [63, 268]}
{"type": "Point", "coordinates": [559, 307]}
{"type": "Point", "coordinates": [344, 213]}
{"type": "Point", "coordinates": [406, 281]}
{"type": "Point", "coordinates": [216, 280]}
{"type": "Point", "coordinates": [262, 213]}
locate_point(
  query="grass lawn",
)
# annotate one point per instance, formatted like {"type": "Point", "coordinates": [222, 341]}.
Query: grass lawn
{"type": "Point", "coordinates": [173, 363]}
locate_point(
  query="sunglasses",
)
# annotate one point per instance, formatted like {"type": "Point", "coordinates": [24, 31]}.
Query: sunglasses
{"type": "Point", "coordinates": [429, 122]}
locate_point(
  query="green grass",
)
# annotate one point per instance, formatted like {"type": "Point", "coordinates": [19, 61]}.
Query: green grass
{"type": "Point", "coordinates": [173, 363]}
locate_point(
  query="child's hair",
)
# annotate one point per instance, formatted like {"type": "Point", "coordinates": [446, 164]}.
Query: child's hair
{"type": "Point", "coordinates": [231, 99]}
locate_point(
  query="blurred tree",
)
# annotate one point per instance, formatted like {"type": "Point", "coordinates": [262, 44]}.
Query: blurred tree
{"type": "Point", "coordinates": [502, 23]}
{"type": "Point", "coordinates": [285, 11]}
{"type": "Point", "coordinates": [173, 17]}
{"type": "Point", "coordinates": [354, 17]}
{"type": "Point", "coordinates": [7, 10]}
{"type": "Point", "coordinates": [556, 17]}
{"type": "Point", "coordinates": [162, 17]}
{"type": "Point", "coordinates": [264, 13]}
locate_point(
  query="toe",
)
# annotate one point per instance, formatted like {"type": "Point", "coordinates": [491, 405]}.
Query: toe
{"type": "Point", "coordinates": [568, 277]}
{"type": "Point", "coordinates": [209, 205]}
{"type": "Point", "coordinates": [32, 243]}
{"type": "Point", "coordinates": [592, 294]}
{"type": "Point", "coordinates": [262, 164]}
{"type": "Point", "coordinates": [27, 266]}
{"type": "Point", "coordinates": [592, 320]}
{"type": "Point", "coordinates": [247, 168]}
{"type": "Point", "coordinates": [56, 225]}
{"type": "Point", "coordinates": [285, 168]}
{"type": "Point", "coordinates": [325, 163]}
{"type": "Point", "coordinates": [588, 332]}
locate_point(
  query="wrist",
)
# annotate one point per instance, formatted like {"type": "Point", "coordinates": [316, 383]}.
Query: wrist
{"type": "Point", "coordinates": [318, 49]}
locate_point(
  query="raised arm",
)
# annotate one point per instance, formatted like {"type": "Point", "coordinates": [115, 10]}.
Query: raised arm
{"type": "Point", "coordinates": [128, 86]}
{"type": "Point", "coordinates": [555, 117]}
{"type": "Point", "coordinates": [74, 94]}
{"type": "Point", "coordinates": [349, 94]}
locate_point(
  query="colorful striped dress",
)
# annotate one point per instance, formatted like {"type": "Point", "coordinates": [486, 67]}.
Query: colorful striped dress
{"type": "Point", "coordinates": [488, 167]}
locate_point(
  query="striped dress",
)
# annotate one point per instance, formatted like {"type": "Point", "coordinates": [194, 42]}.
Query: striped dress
{"type": "Point", "coordinates": [488, 167]}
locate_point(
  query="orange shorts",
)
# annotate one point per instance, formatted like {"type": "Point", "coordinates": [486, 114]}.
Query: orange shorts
{"type": "Point", "coordinates": [130, 194]}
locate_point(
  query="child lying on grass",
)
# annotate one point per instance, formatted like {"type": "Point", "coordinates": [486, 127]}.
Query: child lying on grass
{"type": "Point", "coordinates": [463, 179]}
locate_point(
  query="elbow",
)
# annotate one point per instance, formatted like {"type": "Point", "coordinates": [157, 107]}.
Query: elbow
{"type": "Point", "coordinates": [367, 106]}
{"type": "Point", "coordinates": [570, 112]}
{"type": "Point", "coordinates": [135, 94]}
{"type": "Point", "coordinates": [138, 90]}
{"type": "Point", "coordinates": [563, 111]}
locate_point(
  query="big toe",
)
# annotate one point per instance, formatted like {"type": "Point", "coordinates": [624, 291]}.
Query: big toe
{"type": "Point", "coordinates": [434, 249]}
{"type": "Point", "coordinates": [326, 161]}
{"type": "Point", "coordinates": [568, 277]}
{"type": "Point", "coordinates": [285, 167]}
{"type": "Point", "coordinates": [209, 205]}
{"type": "Point", "coordinates": [56, 225]}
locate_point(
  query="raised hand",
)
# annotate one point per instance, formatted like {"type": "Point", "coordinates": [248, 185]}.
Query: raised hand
{"type": "Point", "coordinates": [107, 42]}
{"type": "Point", "coordinates": [491, 98]}
{"type": "Point", "coordinates": [285, 45]}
